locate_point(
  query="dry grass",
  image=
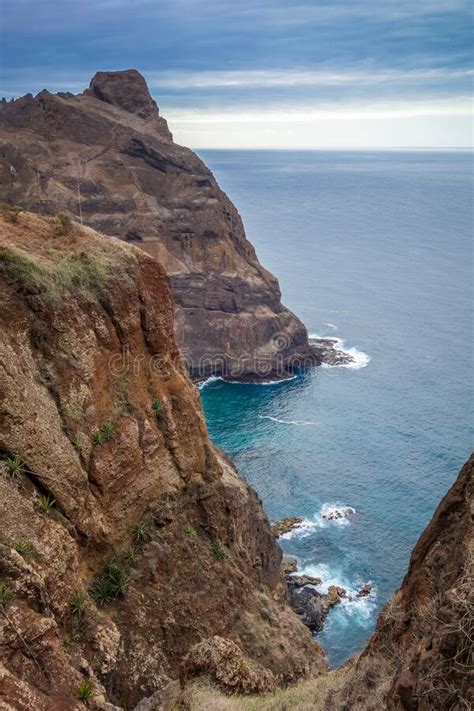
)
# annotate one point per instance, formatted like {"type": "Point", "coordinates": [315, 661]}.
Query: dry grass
{"type": "Point", "coordinates": [31, 258]}
{"type": "Point", "coordinates": [308, 695]}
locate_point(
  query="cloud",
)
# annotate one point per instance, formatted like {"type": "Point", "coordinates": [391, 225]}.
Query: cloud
{"type": "Point", "coordinates": [294, 78]}
{"type": "Point", "coordinates": [313, 61]}
{"type": "Point", "coordinates": [459, 106]}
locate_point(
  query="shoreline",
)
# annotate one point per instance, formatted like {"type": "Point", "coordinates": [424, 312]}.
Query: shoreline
{"type": "Point", "coordinates": [325, 350]}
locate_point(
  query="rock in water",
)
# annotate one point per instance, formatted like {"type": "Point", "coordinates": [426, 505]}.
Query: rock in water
{"type": "Point", "coordinates": [285, 525]}
{"type": "Point", "coordinates": [365, 590]}
{"type": "Point", "coordinates": [107, 157]}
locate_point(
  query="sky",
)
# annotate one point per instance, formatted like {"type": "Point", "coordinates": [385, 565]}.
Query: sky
{"type": "Point", "coordinates": [262, 73]}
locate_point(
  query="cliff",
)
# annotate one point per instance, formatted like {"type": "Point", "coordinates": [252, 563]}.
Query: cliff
{"type": "Point", "coordinates": [127, 538]}
{"type": "Point", "coordinates": [108, 158]}
{"type": "Point", "coordinates": [420, 656]}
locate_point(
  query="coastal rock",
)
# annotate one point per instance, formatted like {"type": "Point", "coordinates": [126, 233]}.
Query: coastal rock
{"type": "Point", "coordinates": [312, 606]}
{"type": "Point", "coordinates": [300, 581]}
{"type": "Point", "coordinates": [285, 525]}
{"type": "Point", "coordinates": [289, 564]}
{"type": "Point", "coordinates": [333, 513]}
{"type": "Point", "coordinates": [419, 657]}
{"type": "Point", "coordinates": [365, 590]}
{"type": "Point", "coordinates": [108, 158]}
{"type": "Point", "coordinates": [126, 537]}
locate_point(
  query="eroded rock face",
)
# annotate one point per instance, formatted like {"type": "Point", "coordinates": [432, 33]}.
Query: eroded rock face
{"type": "Point", "coordinates": [153, 542]}
{"type": "Point", "coordinates": [420, 657]}
{"type": "Point", "coordinates": [108, 158]}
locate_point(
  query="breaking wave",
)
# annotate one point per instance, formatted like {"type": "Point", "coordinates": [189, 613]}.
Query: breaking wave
{"type": "Point", "coordinates": [329, 515]}
{"type": "Point", "coordinates": [363, 608]}
{"type": "Point", "coordinates": [298, 423]}
{"type": "Point", "coordinates": [360, 359]}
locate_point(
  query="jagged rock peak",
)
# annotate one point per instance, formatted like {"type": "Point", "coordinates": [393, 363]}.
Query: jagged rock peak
{"type": "Point", "coordinates": [126, 89]}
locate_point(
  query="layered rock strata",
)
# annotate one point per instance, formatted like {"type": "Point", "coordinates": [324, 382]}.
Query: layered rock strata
{"type": "Point", "coordinates": [107, 157]}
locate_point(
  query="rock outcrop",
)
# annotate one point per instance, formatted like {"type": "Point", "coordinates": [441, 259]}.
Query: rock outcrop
{"type": "Point", "coordinates": [420, 657]}
{"type": "Point", "coordinates": [107, 157]}
{"type": "Point", "coordinates": [126, 538]}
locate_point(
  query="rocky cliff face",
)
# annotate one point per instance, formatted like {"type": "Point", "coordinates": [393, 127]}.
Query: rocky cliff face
{"type": "Point", "coordinates": [421, 655]}
{"type": "Point", "coordinates": [126, 537]}
{"type": "Point", "coordinates": [108, 158]}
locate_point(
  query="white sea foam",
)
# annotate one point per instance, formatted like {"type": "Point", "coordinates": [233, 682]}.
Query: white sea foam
{"type": "Point", "coordinates": [322, 519]}
{"type": "Point", "coordinates": [298, 423]}
{"type": "Point", "coordinates": [332, 326]}
{"type": "Point", "coordinates": [208, 381]}
{"type": "Point", "coordinates": [213, 378]}
{"type": "Point", "coordinates": [363, 608]}
{"type": "Point", "coordinates": [359, 358]}
{"type": "Point", "coordinates": [304, 529]}
{"type": "Point", "coordinates": [339, 514]}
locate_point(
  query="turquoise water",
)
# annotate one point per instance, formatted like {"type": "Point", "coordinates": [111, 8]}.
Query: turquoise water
{"type": "Point", "coordinates": [374, 248]}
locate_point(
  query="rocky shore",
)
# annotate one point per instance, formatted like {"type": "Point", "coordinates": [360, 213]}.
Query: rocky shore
{"type": "Point", "coordinates": [310, 604]}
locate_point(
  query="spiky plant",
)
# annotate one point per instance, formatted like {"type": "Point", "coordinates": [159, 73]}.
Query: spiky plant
{"type": "Point", "coordinates": [14, 466]}
{"type": "Point", "coordinates": [217, 550]}
{"type": "Point", "coordinates": [111, 584]}
{"type": "Point", "coordinates": [85, 692]}
{"type": "Point", "coordinates": [130, 554]}
{"type": "Point", "coordinates": [105, 432]}
{"type": "Point", "coordinates": [24, 548]}
{"type": "Point", "coordinates": [6, 594]}
{"type": "Point", "coordinates": [156, 406]}
{"type": "Point", "coordinates": [45, 503]}
{"type": "Point", "coordinates": [78, 603]}
{"type": "Point", "coordinates": [190, 531]}
{"type": "Point", "coordinates": [140, 532]}
{"type": "Point", "coordinates": [76, 443]}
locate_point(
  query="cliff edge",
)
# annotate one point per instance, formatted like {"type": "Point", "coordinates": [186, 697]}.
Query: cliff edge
{"type": "Point", "coordinates": [126, 538]}
{"type": "Point", "coordinates": [108, 157]}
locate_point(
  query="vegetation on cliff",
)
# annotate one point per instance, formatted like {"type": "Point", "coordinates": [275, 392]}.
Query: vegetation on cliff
{"type": "Point", "coordinates": [126, 537]}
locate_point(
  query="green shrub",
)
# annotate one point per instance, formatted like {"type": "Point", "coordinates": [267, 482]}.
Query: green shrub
{"type": "Point", "coordinates": [13, 214]}
{"type": "Point", "coordinates": [78, 603]}
{"type": "Point", "coordinates": [45, 503]}
{"type": "Point", "coordinates": [62, 224]}
{"type": "Point", "coordinates": [25, 548]}
{"type": "Point", "coordinates": [140, 532]}
{"type": "Point", "coordinates": [111, 584]}
{"type": "Point", "coordinates": [6, 595]}
{"type": "Point", "coordinates": [190, 531]}
{"type": "Point", "coordinates": [76, 443]}
{"type": "Point", "coordinates": [217, 550]}
{"type": "Point", "coordinates": [14, 466]}
{"type": "Point", "coordinates": [105, 433]}
{"type": "Point", "coordinates": [130, 554]}
{"type": "Point", "coordinates": [85, 692]}
{"type": "Point", "coordinates": [157, 407]}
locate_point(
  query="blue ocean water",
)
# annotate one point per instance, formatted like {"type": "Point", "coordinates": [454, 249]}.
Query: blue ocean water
{"type": "Point", "coordinates": [374, 248]}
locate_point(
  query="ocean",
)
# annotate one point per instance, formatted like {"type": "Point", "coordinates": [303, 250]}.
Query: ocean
{"type": "Point", "coordinates": [375, 249]}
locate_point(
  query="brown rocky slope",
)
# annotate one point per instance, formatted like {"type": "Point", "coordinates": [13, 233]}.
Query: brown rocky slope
{"type": "Point", "coordinates": [421, 655]}
{"type": "Point", "coordinates": [107, 157]}
{"type": "Point", "coordinates": [126, 537]}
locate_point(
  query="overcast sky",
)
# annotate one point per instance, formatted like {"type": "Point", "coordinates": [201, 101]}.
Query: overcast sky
{"type": "Point", "coordinates": [262, 73]}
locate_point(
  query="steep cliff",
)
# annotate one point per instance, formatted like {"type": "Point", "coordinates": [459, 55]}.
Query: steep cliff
{"type": "Point", "coordinates": [421, 655]}
{"type": "Point", "coordinates": [108, 158]}
{"type": "Point", "coordinates": [126, 538]}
